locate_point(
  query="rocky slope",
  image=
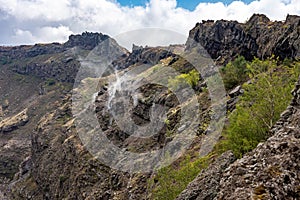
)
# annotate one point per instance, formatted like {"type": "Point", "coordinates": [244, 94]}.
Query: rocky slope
{"type": "Point", "coordinates": [271, 171]}
{"type": "Point", "coordinates": [60, 166]}
{"type": "Point", "coordinates": [258, 37]}
{"type": "Point", "coordinates": [32, 79]}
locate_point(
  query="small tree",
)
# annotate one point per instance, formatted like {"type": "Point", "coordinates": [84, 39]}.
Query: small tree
{"type": "Point", "coordinates": [260, 106]}
{"type": "Point", "coordinates": [235, 73]}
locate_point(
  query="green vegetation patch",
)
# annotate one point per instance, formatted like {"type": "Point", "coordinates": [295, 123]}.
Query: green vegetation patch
{"type": "Point", "coordinates": [265, 98]}
{"type": "Point", "coordinates": [171, 181]}
{"type": "Point", "coordinates": [192, 78]}
{"type": "Point", "coordinates": [235, 73]}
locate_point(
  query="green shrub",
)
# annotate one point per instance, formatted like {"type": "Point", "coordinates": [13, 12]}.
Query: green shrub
{"type": "Point", "coordinates": [183, 80]}
{"type": "Point", "coordinates": [235, 73]}
{"type": "Point", "coordinates": [260, 106]}
{"type": "Point", "coordinates": [171, 181]}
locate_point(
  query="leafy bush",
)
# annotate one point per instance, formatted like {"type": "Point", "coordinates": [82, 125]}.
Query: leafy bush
{"type": "Point", "coordinates": [235, 73]}
{"type": "Point", "coordinates": [171, 181]}
{"type": "Point", "coordinates": [184, 80]}
{"type": "Point", "coordinates": [260, 106]}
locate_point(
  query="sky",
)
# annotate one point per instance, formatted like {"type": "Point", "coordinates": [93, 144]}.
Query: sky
{"type": "Point", "coordinates": [187, 4]}
{"type": "Point", "coordinates": [43, 21]}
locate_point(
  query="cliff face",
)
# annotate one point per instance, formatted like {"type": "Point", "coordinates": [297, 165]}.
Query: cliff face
{"type": "Point", "coordinates": [259, 37]}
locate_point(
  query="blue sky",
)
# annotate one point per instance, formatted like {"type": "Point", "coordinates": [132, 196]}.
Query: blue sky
{"type": "Point", "coordinates": [187, 4]}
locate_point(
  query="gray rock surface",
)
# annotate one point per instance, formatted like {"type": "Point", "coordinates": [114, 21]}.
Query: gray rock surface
{"type": "Point", "coordinates": [259, 37]}
{"type": "Point", "coordinates": [206, 184]}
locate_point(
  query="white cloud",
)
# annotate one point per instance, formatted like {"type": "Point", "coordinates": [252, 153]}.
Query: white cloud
{"type": "Point", "coordinates": [45, 21]}
{"type": "Point", "coordinates": [23, 10]}
{"type": "Point", "coordinates": [50, 34]}
{"type": "Point", "coordinates": [41, 35]}
{"type": "Point", "coordinates": [21, 35]}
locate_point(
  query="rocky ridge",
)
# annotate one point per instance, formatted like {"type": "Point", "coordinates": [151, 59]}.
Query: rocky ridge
{"type": "Point", "coordinates": [146, 55]}
{"type": "Point", "coordinates": [258, 37]}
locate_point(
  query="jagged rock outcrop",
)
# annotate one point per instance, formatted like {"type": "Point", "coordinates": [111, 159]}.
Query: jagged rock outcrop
{"type": "Point", "coordinates": [59, 61]}
{"type": "Point", "coordinates": [14, 122]}
{"type": "Point", "coordinates": [258, 37]}
{"type": "Point", "coordinates": [146, 55]}
{"type": "Point", "coordinates": [86, 40]}
{"type": "Point", "coordinates": [234, 97]}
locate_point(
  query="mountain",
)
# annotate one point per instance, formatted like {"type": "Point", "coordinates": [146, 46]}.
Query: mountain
{"type": "Point", "coordinates": [34, 78]}
{"type": "Point", "coordinates": [44, 153]}
{"type": "Point", "coordinates": [37, 81]}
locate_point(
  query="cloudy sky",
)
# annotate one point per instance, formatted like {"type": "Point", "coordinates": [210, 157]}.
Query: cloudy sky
{"type": "Point", "coordinates": [39, 21]}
